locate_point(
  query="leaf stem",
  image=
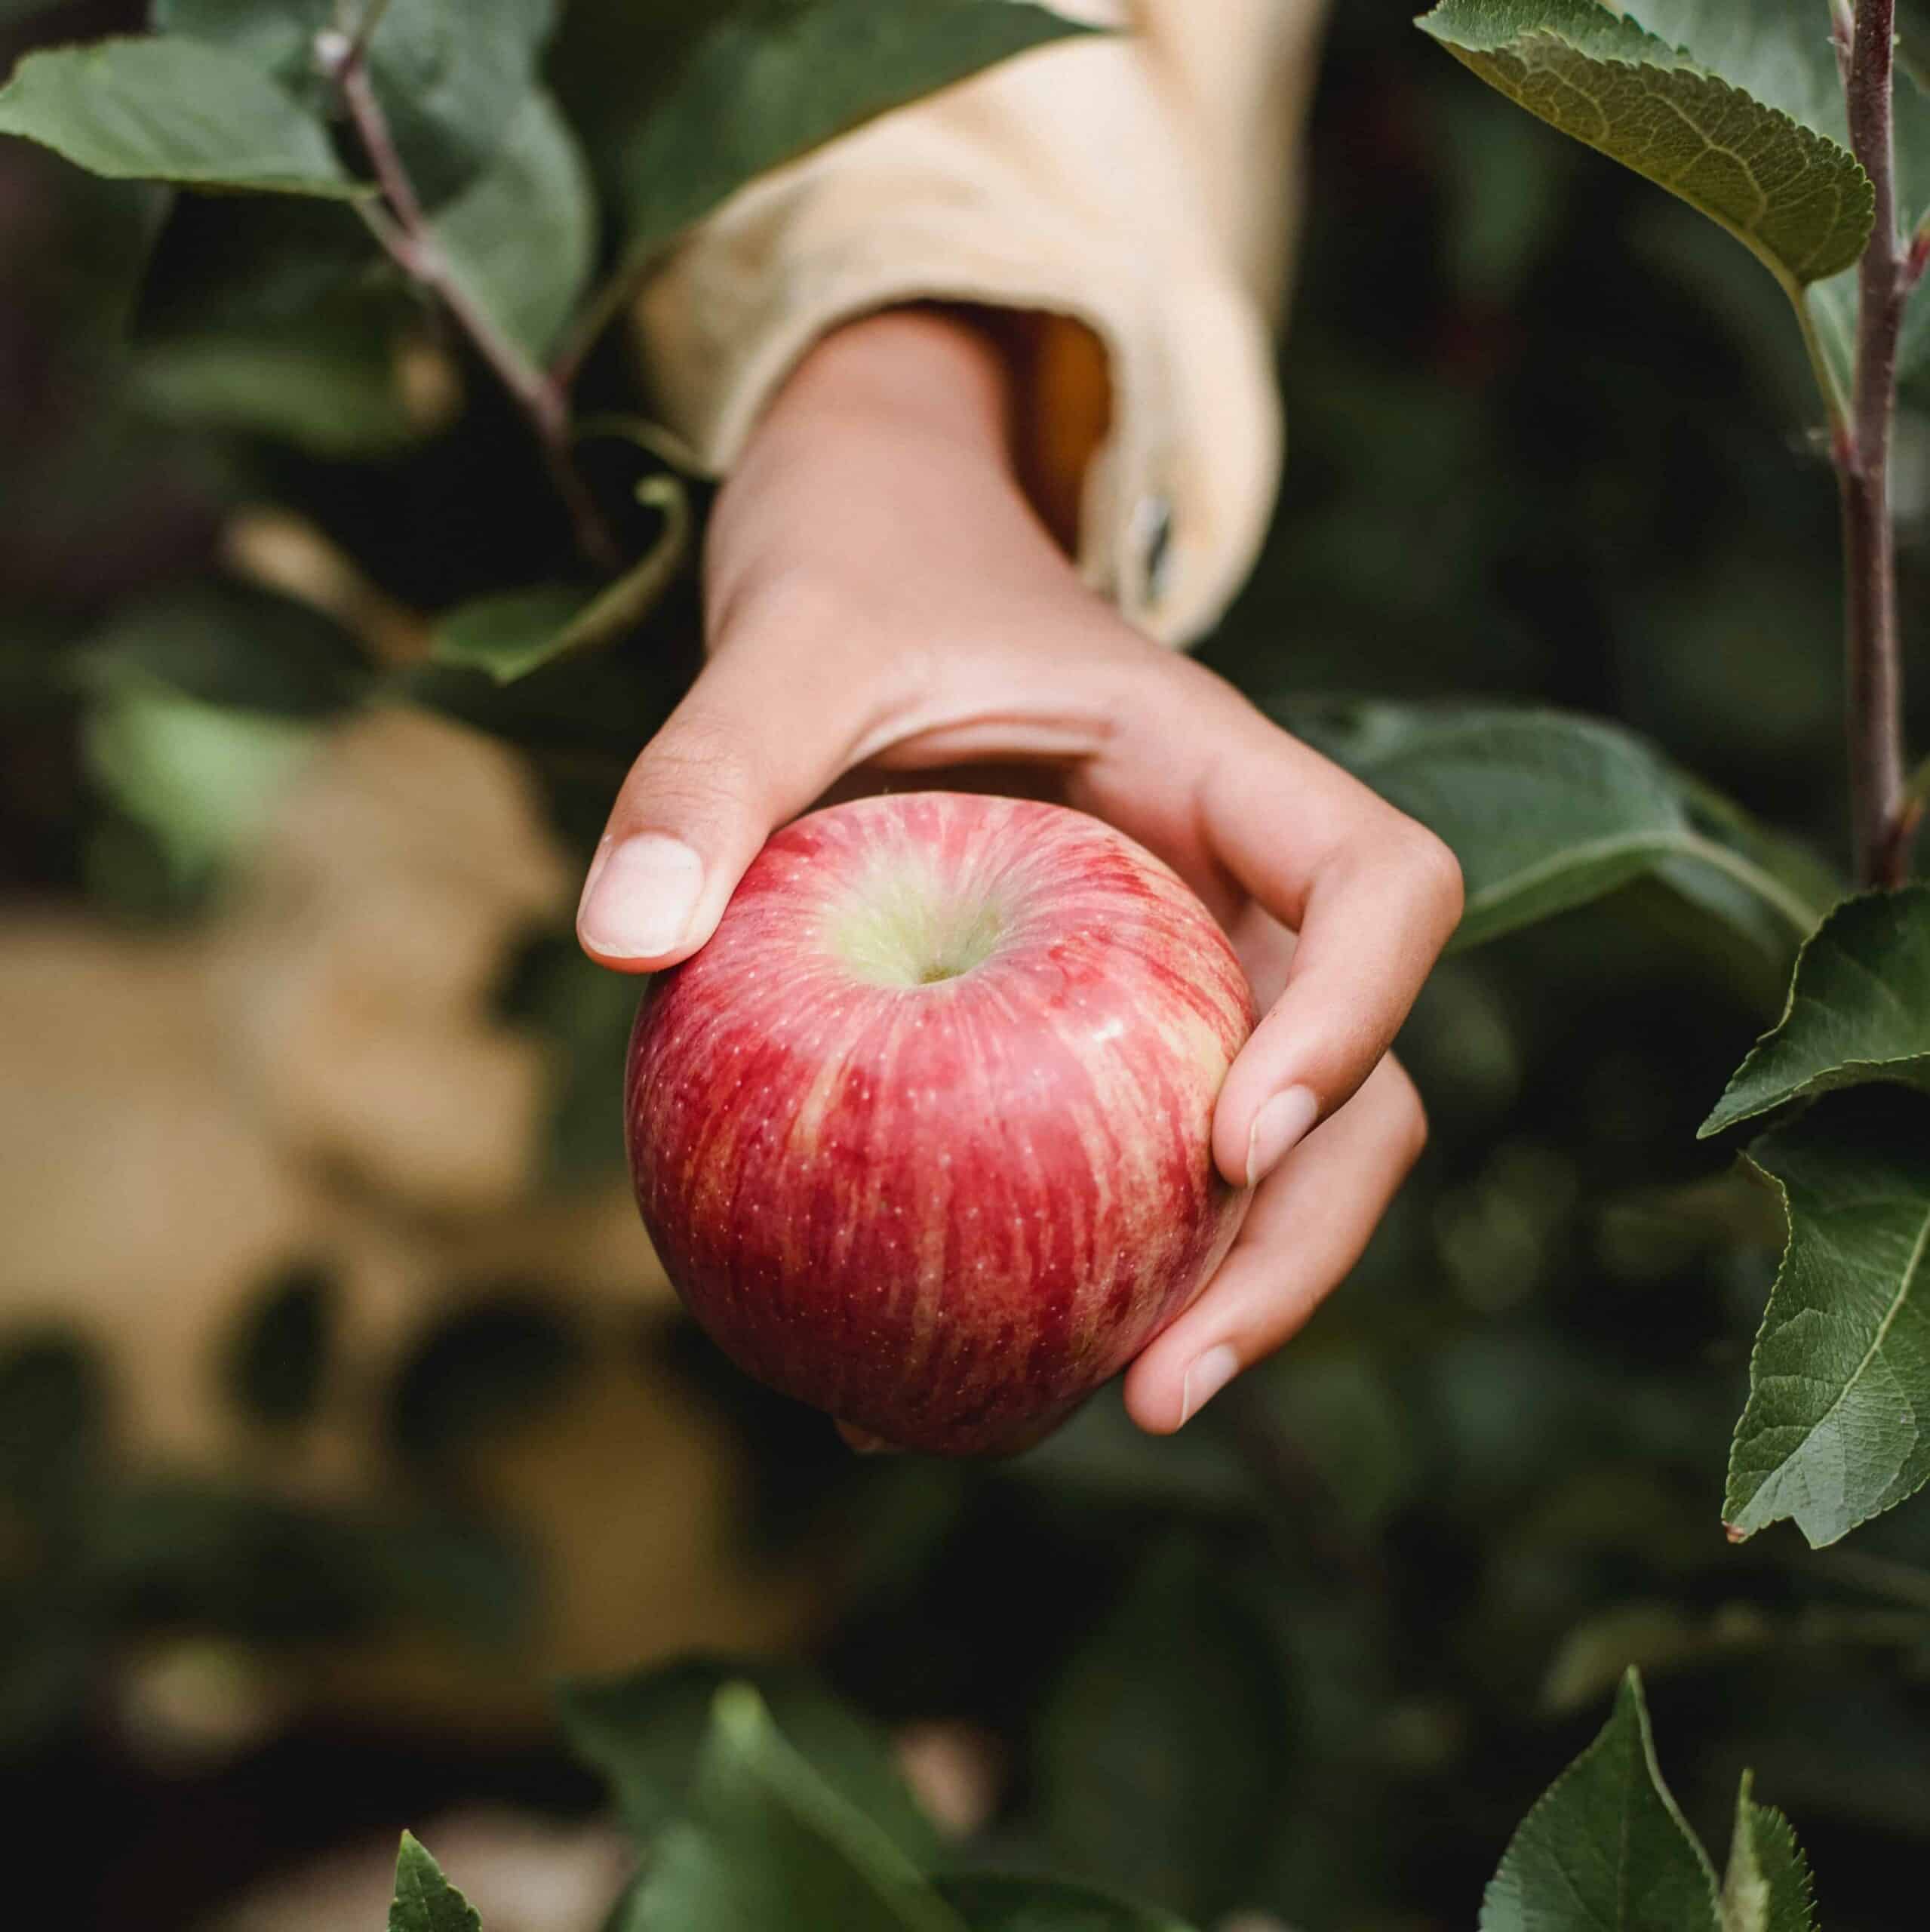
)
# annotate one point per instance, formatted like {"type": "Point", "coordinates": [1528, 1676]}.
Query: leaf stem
{"type": "Point", "coordinates": [1875, 683]}
{"type": "Point", "coordinates": [406, 234]}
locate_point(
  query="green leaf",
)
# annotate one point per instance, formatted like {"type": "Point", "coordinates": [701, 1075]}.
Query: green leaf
{"type": "Point", "coordinates": [991, 1902]}
{"type": "Point", "coordinates": [53, 1421]}
{"type": "Point", "coordinates": [169, 110]}
{"type": "Point", "coordinates": [1798, 199]}
{"type": "Point", "coordinates": [1162, 1752]}
{"type": "Point", "coordinates": [763, 84]}
{"type": "Point", "coordinates": [1840, 1377]}
{"type": "Point", "coordinates": [278, 318]}
{"type": "Point", "coordinates": [277, 1358]}
{"type": "Point", "coordinates": [1606, 1850]}
{"type": "Point", "coordinates": [450, 75]}
{"type": "Point", "coordinates": [1767, 1887]}
{"type": "Point", "coordinates": [769, 1842]}
{"type": "Point", "coordinates": [203, 779]}
{"type": "Point", "coordinates": [424, 1900]}
{"type": "Point", "coordinates": [521, 238]}
{"type": "Point", "coordinates": [226, 645]}
{"type": "Point", "coordinates": [1547, 811]}
{"type": "Point", "coordinates": [644, 1733]}
{"type": "Point", "coordinates": [1858, 1011]}
{"type": "Point", "coordinates": [330, 385]}
{"type": "Point", "coordinates": [514, 632]}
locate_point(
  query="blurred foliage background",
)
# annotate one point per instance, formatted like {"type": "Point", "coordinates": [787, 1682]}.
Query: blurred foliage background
{"type": "Point", "coordinates": [310, 1475]}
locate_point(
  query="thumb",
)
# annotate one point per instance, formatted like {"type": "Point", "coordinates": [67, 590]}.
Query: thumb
{"type": "Point", "coordinates": [775, 717]}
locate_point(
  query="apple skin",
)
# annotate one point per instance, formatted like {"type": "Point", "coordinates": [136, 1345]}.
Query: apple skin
{"type": "Point", "coordinates": [922, 1134]}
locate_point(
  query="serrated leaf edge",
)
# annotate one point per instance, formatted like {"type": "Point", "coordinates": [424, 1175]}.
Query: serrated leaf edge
{"type": "Point", "coordinates": [1681, 62]}
{"type": "Point", "coordinates": [1716, 1123]}
{"type": "Point", "coordinates": [1630, 1690]}
{"type": "Point", "coordinates": [1733, 1512]}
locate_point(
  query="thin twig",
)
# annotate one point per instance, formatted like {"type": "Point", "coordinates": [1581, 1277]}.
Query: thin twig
{"type": "Point", "coordinates": [1863, 465]}
{"type": "Point", "coordinates": [406, 234]}
{"type": "Point", "coordinates": [371, 19]}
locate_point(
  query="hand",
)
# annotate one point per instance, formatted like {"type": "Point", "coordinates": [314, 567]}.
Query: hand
{"type": "Point", "coordinates": [881, 595]}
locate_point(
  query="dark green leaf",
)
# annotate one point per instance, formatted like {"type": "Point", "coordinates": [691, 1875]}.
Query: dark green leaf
{"type": "Point", "coordinates": [277, 1360]}
{"type": "Point", "coordinates": [278, 318]}
{"type": "Point", "coordinates": [769, 1843]}
{"type": "Point", "coordinates": [1161, 1753]}
{"type": "Point", "coordinates": [169, 110]}
{"type": "Point", "coordinates": [521, 238]}
{"type": "Point", "coordinates": [450, 75]}
{"type": "Point", "coordinates": [990, 1903]}
{"type": "Point", "coordinates": [226, 646]}
{"type": "Point", "coordinates": [1767, 1887]}
{"type": "Point", "coordinates": [53, 1419]}
{"type": "Point", "coordinates": [504, 1355]}
{"type": "Point", "coordinates": [1795, 197]}
{"type": "Point", "coordinates": [514, 632]}
{"type": "Point", "coordinates": [644, 1733]}
{"type": "Point", "coordinates": [1547, 811]}
{"type": "Point", "coordinates": [1605, 1849]}
{"type": "Point", "coordinates": [1858, 1011]}
{"type": "Point", "coordinates": [763, 84]}
{"type": "Point", "coordinates": [424, 1900]}
{"type": "Point", "coordinates": [1840, 1377]}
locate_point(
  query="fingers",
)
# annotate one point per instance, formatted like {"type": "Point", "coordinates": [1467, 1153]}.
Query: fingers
{"type": "Point", "coordinates": [1309, 1224]}
{"type": "Point", "coordinates": [1373, 897]}
{"type": "Point", "coordinates": [778, 713]}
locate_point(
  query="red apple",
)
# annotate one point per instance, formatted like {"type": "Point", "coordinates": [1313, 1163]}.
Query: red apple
{"type": "Point", "coordinates": [922, 1134]}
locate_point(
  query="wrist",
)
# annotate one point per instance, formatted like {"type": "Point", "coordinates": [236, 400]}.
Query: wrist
{"type": "Point", "coordinates": [916, 372]}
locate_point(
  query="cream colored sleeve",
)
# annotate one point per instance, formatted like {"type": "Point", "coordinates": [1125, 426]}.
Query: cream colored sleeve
{"type": "Point", "coordinates": [1142, 183]}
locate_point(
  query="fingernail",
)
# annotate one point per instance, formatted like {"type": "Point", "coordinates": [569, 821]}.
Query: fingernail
{"type": "Point", "coordinates": [1278, 1128]}
{"type": "Point", "coordinates": [639, 896]}
{"type": "Point", "coordinates": [1208, 1374]}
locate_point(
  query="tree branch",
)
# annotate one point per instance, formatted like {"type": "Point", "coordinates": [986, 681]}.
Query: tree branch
{"type": "Point", "coordinates": [406, 234]}
{"type": "Point", "coordinates": [1863, 464]}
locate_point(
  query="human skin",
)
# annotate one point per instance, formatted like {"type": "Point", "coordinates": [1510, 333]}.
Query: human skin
{"type": "Point", "coordinates": [881, 598]}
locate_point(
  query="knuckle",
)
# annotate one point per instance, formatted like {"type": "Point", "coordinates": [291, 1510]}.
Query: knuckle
{"type": "Point", "coordinates": [1431, 863]}
{"type": "Point", "coordinates": [695, 764]}
{"type": "Point", "coordinates": [1409, 1117]}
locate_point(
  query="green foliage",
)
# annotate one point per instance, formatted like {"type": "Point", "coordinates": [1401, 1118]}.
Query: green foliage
{"type": "Point", "coordinates": [1841, 1371]}
{"type": "Point", "coordinates": [1799, 200]}
{"type": "Point", "coordinates": [739, 88]}
{"type": "Point", "coordinates": [1547, 812]}
{"type": "Point", "coordinates": [645, 1731]}
{"type": "Point", "coordinates": [275, 317]}
{"type": "Point", "coordinates": [1767, 1886]}
{"type": "Point", "coordinates": [1160, 1755]}
{"type": "Point", "coordinates": [766, 1841]}
{"type": "Point", "coordinates": [1606, 1850]}
{"type": "Point", "coordinates": [169, 110]}
{"type": "Point", "coordinates": [277, 1362]}
{"type": "Point", "coordinates": [450, 75]}
{"type": "Point", "coordinates": [988, 1902]}
{"type": "Point", "coordinates": [511, 633]}
{"type": "Point", "coordinates": [424, 1900]}
{"type": "Point", "coordinates": [1737, 106]}
{"type": "Point", "coordinates": [202, 708]}
{"type": "Point", "coordinates": [521, 238]}
{"type": "Point", "coordinates": [1858, 1011]}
